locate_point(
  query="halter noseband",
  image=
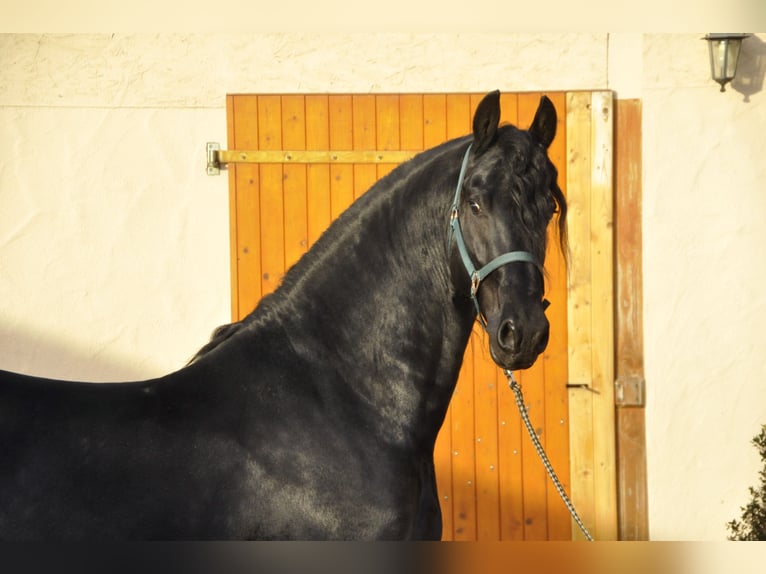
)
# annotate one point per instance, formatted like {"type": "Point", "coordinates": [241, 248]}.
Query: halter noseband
{"type": "Point", "coordinates": [478, 275]}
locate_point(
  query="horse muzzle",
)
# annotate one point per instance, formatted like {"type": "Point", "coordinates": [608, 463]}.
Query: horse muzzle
{"type": "Point", "coordinates": [517, 341]}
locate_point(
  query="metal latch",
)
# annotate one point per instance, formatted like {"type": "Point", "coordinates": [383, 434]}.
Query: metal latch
{"type": "Point", "coordinates": [218, 159]}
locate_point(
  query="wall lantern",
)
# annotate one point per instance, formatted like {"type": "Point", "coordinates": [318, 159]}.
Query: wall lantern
{"type": "Point", "coordinates": [724, 53]}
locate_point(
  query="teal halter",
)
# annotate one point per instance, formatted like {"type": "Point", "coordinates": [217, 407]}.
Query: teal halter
{"type": "Point", "coordinates": [478, 275]}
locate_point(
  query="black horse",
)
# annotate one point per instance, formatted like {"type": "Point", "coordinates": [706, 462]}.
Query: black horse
{"type": "Point", "coordinates": [314, 417]}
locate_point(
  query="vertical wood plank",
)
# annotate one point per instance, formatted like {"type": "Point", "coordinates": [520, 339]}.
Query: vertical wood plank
{"type": "Point", "coordinates": [387, 128]}
{"type": "Point", "coordinates": [233, 225]}
{"type": "Point", "coordinates": [578, 132]}
{"type": "Point", "coordinates": [630, 420]}
{"type": "Point", "coordinates": [318, 175]}
{"type": "Point", "coordinates": [631, 474]}
{"type": "Point", "coordinates": [247, 245]}
{"type": "Point", "coordinates": [578, 230]}
{"type": "Point", "coordinates": [463, 453]}
{"type": "Point", "coordinates": [341, 138]}
{"type": "Point", "coordinates": [533, 384]}
{"type": "Point", "coordinates": [485, 373]}
{"type": "Point", "coordinates": [582, 457]}
{"type": "Point", "coordinates": [434, 132]}
{"type": "Point", "coordinates": [534, 476]}
{"type": "Point", "coordinates": [458, 114]}
{"type": "Point", "coordinates": [364, 138]}
{"type": "Point", "coordinates": [602, 262]}
{"type": "Point", "coordinates": [434, 120]}
{"type": "Point", "coordinates": [628, 237]}
{"type": "Point", "coordinates": [294, 180]}
{"type": "Point", "coordinates": [555, 356]}
{"type": "Point", "coordinates": [411, 122]}
{"type": "Point", "coordinates": [272, 201]}
{"type": "Point", "coordinates": [510, 431]}
{"type": "Point", "coordinates": [601, 244]}
{"type": "Point", "coordinates": [487, 447]}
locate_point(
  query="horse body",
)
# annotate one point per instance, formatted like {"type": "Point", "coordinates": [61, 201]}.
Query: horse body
{"type": "Point", "coordinates": [314, 417]}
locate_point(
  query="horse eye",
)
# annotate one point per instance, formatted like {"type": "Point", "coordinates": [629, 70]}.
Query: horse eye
{"type": "Point", "coordinates": [475, 207]}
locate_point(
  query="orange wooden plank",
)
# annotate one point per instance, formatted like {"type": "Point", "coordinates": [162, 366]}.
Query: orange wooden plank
{"type": "Point", "coordinates": [581, 400]}
{"type": "Point", "coordinates": [627, 206]}
{"type": "Point", "coordinates": [272, 201]}
{"type": "Point", "coordinates": [387, 128]}
{"type": "Point", "coordinates": [341, 138]}
{"type": "Point", "coordinates": [434, 120]}
{"type": "Point", "coordinates": [555, 356]}
{"type": "Point", "coordinates": [318, 175]}
{"type": "Point", "coordinates": [602, 313]}
{"type": "Point", "coordinates": [232, 175]}
{"type": "Point", "coordinates": [533, 385]}
{"type": "Point", "coordinates": [509, 108]}
{"type": "Point", "coordinates": [458, 114]}
{"type": "Point", "coordinates": [294, 180]}
{"type": "Point", "coordinates": [485, 426]}
{"type": "Point", "coordinates": [364, 139]}
{"type": "Point", "coordinates": [631, 473]}
{"type": "Point", "coordinates": [464, 452]}
{"type": "Point", "coordinates": [485, 373]}
{"type": "Point", "coordinates": [411, 122]}
{"type": "Point", "coordinates": [509, 427]}
{"type": "Point", "coordinates": [247, 245]}
{"type": "Point", "coordinates": [511, 468]}
{"type": "Point", "coordinates": [631, 432]}
{"type": "Point", "coordinates": [434, 132]}
{"type": "Point", "coordinates": [534, 475]}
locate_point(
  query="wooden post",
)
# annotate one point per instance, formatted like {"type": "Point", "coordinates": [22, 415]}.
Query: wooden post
{"type": "Point", "coordinates": [631, 432]}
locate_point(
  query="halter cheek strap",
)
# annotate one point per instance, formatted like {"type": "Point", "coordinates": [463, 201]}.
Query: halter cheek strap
{"type": "Point", "coordinates": [478, 275]}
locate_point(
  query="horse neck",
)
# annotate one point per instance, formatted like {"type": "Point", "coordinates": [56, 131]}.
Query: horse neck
{"type": "Point", "coordinates": [375, 303]}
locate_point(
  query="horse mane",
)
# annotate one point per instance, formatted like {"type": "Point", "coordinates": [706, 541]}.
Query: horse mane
{"type": "Point", "coordinates": [532, 168]}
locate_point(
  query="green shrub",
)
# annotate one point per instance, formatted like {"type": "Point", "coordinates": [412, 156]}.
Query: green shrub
{"type": "Point", "coordinates": [753, 523]}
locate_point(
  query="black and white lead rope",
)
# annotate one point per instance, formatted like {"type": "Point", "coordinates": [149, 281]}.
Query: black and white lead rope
{"type": "Point", "coordinates": [539, 447]}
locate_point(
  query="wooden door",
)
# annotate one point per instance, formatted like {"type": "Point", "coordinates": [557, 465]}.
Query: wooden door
{"type": "Point", "coordinates": [491, 484]}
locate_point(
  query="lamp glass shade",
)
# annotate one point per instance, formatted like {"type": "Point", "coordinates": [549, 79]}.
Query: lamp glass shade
{"type": "Point", "coordinates": [724, 54]}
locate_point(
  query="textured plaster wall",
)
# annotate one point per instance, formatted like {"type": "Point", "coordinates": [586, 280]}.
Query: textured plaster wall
{"type": "Point", "coordinates": [704, 284]}
{"type": "Point", "coordinates": [114, 259]}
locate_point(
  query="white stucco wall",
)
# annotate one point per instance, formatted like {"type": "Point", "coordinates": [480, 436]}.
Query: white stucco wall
{"type": "Point", "coordinates": [704, 285]}
{"type": "Point", "coordinates": [114, 260]}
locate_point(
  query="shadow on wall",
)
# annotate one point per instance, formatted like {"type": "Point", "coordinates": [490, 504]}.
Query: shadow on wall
{"type": "Point", "coordinates": [751, 67]}
{"type": "Point", "coordinates": [32, 352]}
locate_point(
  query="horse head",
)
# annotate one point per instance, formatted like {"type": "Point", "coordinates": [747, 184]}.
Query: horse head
{"type": "Point", "coordinates": [506, 197]}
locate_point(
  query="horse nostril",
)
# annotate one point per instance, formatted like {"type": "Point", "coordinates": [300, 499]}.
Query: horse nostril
{"type": "Point", "coordinates": [506, 335]}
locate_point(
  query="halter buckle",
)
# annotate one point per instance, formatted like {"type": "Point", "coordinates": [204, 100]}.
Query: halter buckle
{"type": "Point", "coordinates": [475, 281]}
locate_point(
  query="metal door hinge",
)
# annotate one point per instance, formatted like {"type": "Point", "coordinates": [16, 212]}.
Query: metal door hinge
{"type": "Point", "coordinates": [213, 160]}
{"type": "Point", "coordinates": [629, 391]}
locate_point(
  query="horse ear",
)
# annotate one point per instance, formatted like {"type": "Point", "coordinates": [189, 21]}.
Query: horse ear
{"type": "Point", "coordinates": [543, 127]}
{"type": "Point", "coordinates": [485, 121]}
